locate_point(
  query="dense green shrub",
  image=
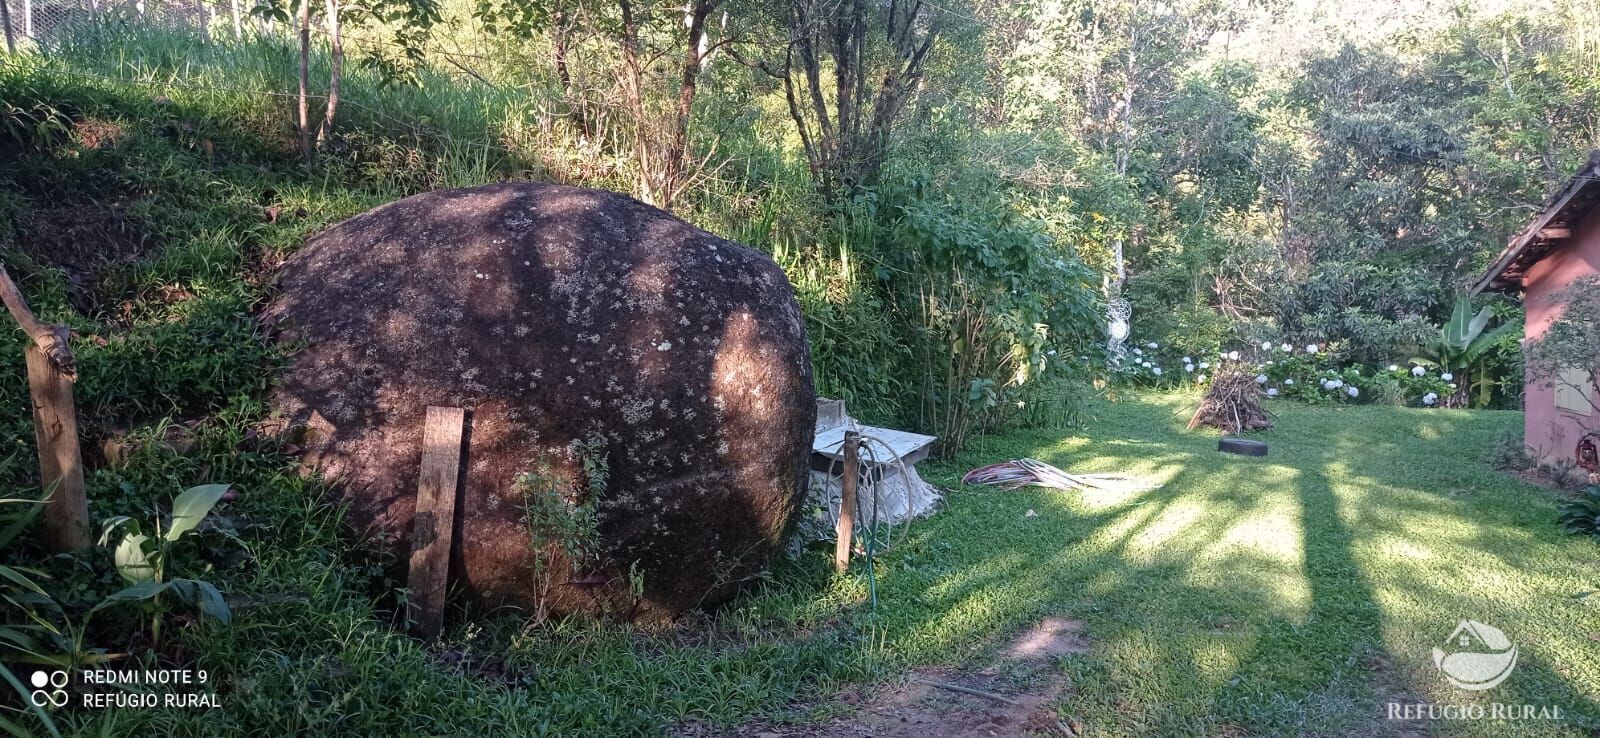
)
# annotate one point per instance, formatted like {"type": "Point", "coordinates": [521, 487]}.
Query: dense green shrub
{"type": "Point", "coordinates": [987, 299]}
{"type": "Point", "coordinates": [1509, 452]}
{"type": "Point", "coordinates": [1582, 514]}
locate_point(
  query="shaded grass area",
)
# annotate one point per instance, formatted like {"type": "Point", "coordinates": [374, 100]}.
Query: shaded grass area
{"type": "Point", "coordinates": [1295, 594]}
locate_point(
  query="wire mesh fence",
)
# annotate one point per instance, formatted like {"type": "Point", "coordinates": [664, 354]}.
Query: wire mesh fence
{"type": "Point", "coordinates": [36, 22]}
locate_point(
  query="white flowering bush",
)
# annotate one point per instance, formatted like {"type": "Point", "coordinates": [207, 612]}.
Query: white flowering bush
{"type": "Point", "coordinates": [1309, 372]}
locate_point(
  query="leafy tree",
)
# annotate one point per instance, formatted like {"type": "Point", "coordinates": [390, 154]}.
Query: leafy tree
{"type": "Point", "coordinates": [1565, 354]}
{"type": "Point", "coordinates": [848, 71]}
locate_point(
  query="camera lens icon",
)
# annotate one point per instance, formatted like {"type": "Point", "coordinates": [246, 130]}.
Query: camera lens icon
{"type": "Point", "coordinates": [55, 697]}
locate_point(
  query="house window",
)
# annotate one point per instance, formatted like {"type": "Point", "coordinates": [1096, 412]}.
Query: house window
{"type": "Point", "coordinates": [1574, 391]}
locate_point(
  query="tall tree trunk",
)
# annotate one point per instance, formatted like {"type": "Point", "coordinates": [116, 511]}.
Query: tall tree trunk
{"type": "Point", "coordinates": [27, 18]}
{"type": "Point", "coordinates": [850, 144]}
{"type": "Point", "coordinates": [207, 12]}
{"type": "Point", "coordinates": [633, 97]}
{"type": "Point", "coordinates": [578, 110]}
{"type": "Point", "coordinates": [673, 175]}
{"type": "Point", "coordinates": [305, 79]}
{"type": "Point", "coordinates": [336, 70]}
{"type": "Point", "coordinates": [558, 43]}
{"type": "Point", "coordinates": [238, 28]}
{"type": "Point", "coordinates": [5, 20]}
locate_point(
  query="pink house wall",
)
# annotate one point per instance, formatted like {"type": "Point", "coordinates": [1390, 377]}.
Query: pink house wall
{"type": "Point", "coordinates": [1553, 433]}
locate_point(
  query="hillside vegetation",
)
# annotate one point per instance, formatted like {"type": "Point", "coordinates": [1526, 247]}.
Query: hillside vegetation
{"type": "Point", "coordinates": [954, 197]}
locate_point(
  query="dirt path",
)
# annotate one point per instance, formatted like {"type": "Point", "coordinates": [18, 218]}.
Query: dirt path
{"type": "Point", "coordinates": [1012, 697]}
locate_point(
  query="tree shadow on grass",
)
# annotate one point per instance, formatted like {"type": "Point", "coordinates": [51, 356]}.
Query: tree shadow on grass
{"type": "Point", "coordinates": [1169, 655]}
{"type": "Point", "coordinates": [1115, 568]}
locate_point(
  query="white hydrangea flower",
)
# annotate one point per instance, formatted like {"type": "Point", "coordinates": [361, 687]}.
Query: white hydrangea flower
{"type": "Point", "coordinates": [1447, 376]}
{"type": "Point", "coordinates": [1201, 379]}
{"type": "Point", "coordinates": [1188, 360]}
{"type": "Point", "coordinates": [1145, 364]}
{"type": "Point", "coordinates": [1233, 356]}
{"type": "Point", "coordinates": [1261, 379]}
{"type": "Point", "coordinates": [1288, 382]}
{"type": "Point", "coordinates": [1270, 362]}
{"type": "Point", "coordinates": [1266, 345]}
{"type": "Point", "coordinates": [1418, 371]}
{"type": "Point", "coordinates": [1051, 352]}
{"type": "Point", "coordinates": [1138, 351]}
{"type": "Point", "coordinates": [1156, 371]}
{"type": "Point", "coordinates": [1394, 367]}
{"type": "Point", "coordinates": [1352, 392]}
{"type": "Point", "coordinates": [1311, 348]}
{"type": "Point", "coordinates": [1272, 391]}
{"type": "Point", "coordinates": [1152, 345]}
{"type": "Point", "coordinates": [1188, 368]}
{"type": "Point", "coordinates": [1452, 385]}
{"type": "Point", "coordinates": [1205, 365]}
{"type": "Point", "coordinates": [1286, 348]}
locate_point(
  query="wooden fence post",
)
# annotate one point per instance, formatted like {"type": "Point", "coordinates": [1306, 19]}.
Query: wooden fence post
{"type": "Point", "coordinates": [435, 521]}
{"type": "Point", "coordinates": [51, 372]}
{"type": "Point", "coordinates": [845, 532]}
{"type": "Point", "coordinates": [55, 426]}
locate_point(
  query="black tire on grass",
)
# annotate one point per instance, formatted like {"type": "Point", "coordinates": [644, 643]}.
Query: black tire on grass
{"type": "Point", "coordinates": [1242, 446]}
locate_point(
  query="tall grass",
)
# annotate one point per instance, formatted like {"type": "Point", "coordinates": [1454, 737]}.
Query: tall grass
{"type": "Point", "coordinates": [248, 88]}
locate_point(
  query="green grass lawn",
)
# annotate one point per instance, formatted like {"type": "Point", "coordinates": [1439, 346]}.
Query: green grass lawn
{"type": "Point", "coordinates": [1292, 594]}
{"type": "Point", "coordinates": [1295, 594]}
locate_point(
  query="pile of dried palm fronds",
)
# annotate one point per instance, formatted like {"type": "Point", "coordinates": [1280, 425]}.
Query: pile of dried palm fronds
{"type": "Point", "coordinates": [1035, 473]}
{"type": "Point", "coordinates": [1232, 403]}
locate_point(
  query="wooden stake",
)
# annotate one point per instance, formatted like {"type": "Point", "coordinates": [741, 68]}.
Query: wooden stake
{"type": "Point", "coordinates": [845, 532]}
{"type": "Point", "coordinates": [51, 372]}
{"type": "Point", "coordinates": [435, 519]}
{"type": "Point", "coordinates": [55, 425]}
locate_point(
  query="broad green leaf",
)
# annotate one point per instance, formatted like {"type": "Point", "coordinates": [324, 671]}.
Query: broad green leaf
{"type": "Point", "coordinates": [1486, 341]}
{"type": "Point", "coordinates": [183, 590]}
{"type": "Point", "coordinates": [191, 507]}
{"type": "Point", "coordinates": [1455, 331]}
{"type": "Point", "coordinates": [133, 593]}
{"type": "Point", "coordinates": [211, 602]}
{"type": "Point", "coordinates": [202, 596]}
{"type": "Point", "coordinates": [20, 643]}
{"type": "Point", "coordinates": [21, 578]}
{"type": "Point", "coordinates": [111, 527]}
{"type": "Point", "coordinates": [132, 562]}
{"type": "Point", "coordinates": [1479, 321]}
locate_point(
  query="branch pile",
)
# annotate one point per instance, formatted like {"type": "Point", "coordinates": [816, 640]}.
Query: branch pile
{"type": "Point", "coordinates": [1035, 473]}
{"type": "Point", "coordinates": [1232, 403]}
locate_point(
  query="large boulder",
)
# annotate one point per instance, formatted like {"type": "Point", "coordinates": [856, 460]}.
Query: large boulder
{"type": "Point", "coordinates": [576, 327]}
